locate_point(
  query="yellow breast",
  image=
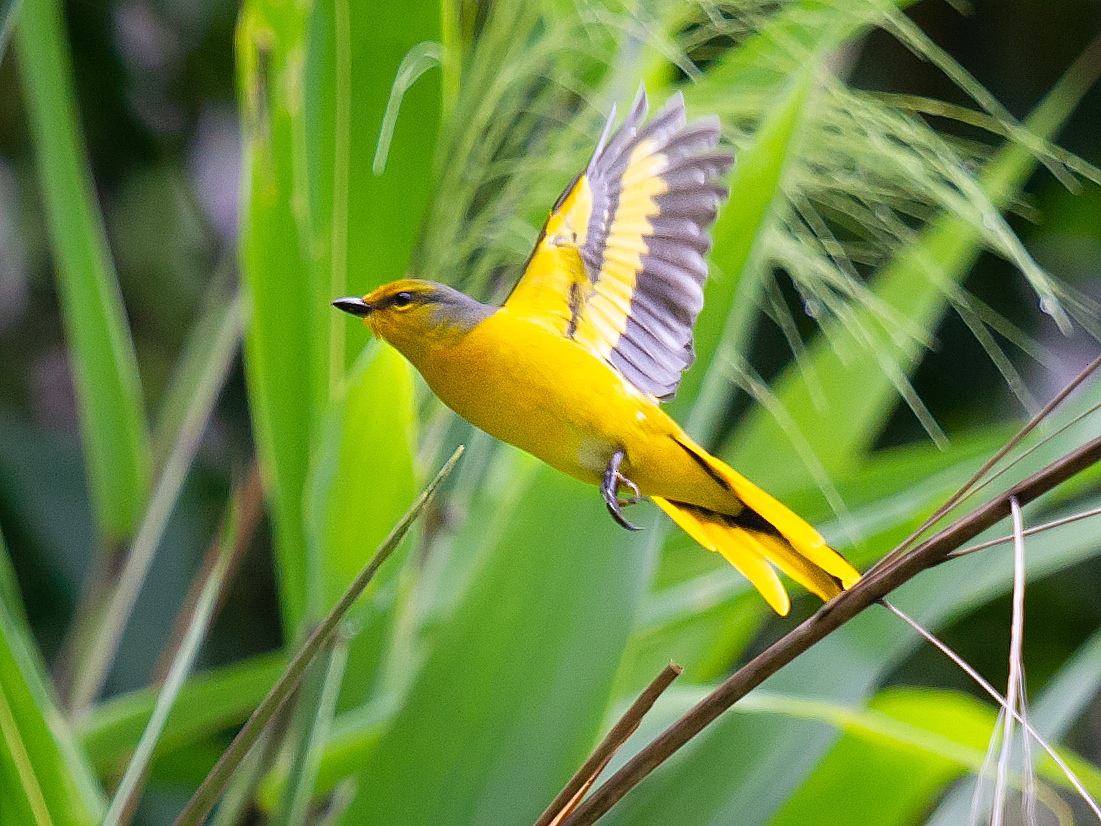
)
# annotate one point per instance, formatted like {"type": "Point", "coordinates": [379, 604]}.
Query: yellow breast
{"type": "Point", "coordinates": [536, 390]}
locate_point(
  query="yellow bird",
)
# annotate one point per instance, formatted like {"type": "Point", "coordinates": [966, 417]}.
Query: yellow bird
{"type": "Point", "coordinates": [596, 333]}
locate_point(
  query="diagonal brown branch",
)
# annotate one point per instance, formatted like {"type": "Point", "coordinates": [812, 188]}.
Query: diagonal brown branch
{"type": "Point", "coordinates": [876, 584]}
{"type": "Point", "coordinates": [602, 755]}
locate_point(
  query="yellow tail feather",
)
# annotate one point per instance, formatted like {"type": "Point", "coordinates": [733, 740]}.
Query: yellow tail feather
{"type": "Point", "coordinates": [736, 547]}
{"type": "Point", "coordinates": [798, 550]}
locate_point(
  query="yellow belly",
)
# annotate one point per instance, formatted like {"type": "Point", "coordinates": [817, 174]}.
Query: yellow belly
{"type": "Point", "coordinates": [550, 397]}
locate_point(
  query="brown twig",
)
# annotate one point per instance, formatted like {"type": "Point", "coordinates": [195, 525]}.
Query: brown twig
{"type": "Point", "coordinates": [1002, 452]}
{"type": "Point", "coordinates": [567, 799]}
{"type": "Point", "coordinates": [876, 584]}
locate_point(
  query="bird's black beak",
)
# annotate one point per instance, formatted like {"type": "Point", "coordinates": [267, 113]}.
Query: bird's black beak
{"type": "Point", "coordinates": [355, 306]}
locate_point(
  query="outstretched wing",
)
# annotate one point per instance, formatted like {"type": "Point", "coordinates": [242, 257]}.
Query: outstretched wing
{"type": "Point", "coordinates": [619, 267]}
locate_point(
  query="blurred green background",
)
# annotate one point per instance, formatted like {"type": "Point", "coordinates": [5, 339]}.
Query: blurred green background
{"type": "Point", "coordinates": [157, 92]}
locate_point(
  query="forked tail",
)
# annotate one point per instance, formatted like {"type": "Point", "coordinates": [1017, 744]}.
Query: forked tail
{"type": "Point", "coordinates": [765, 532]}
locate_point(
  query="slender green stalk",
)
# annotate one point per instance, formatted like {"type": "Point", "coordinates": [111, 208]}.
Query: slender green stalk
{"type": "Point", "coordinates": [17, 752]}
{"type": "Point", "coordinates": [132, 780]}
{"type": "Point", "coordinates": [94, 673]}
{"type": "Point", "coordinates": [316, 712]}
{"type": "Point", "coordinates": [210, 791]}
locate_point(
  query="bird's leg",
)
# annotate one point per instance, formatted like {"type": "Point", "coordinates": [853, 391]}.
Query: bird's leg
{"type": "Point", "coordinates": [609, 489]}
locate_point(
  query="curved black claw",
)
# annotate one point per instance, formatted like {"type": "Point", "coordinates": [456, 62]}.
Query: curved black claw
{"type": "Point", "coordinates": [609, 489]}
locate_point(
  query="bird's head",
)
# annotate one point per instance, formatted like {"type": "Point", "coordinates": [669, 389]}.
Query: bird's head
{"type": "Point", "coordinates": [414, 315]}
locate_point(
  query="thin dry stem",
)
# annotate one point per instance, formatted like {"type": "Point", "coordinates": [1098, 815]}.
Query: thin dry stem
{"type": "Point", "coordinates": [982, 683]}
{"type": "Point", "coordinates": [580, 783]}
{"type": "Point", "coordinates": [883, 578]}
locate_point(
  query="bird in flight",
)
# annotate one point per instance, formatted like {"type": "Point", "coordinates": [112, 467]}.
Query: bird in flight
{"type": "Point", "coordinates": [596, 333]}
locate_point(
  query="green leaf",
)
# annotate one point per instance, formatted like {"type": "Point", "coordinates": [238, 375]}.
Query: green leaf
{"type": "Point", "coordinates": [313, 87]}
{"type": "Point", "coordinates": [105, 369]}
{"type": "Point", "coordinates": [286, 342]}
{"type": "Point", "coordinates": [893, 760]}
{"type": "Point", "coordinates": [364, 225]}
{"type": "Point", "coordinates": [210, 702]}
{"type": "Point", "coordinates": [360, 486]}
{"type": "Point", "coordinates": [1062, 701]}
{"type": "Point", "coordinates": [364, 475]}
{"type": "Point", "coordinates": [43, 776]}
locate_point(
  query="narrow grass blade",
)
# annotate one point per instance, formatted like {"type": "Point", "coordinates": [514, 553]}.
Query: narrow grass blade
{"type": "Point", "coordinates": [734, 293]}
{"type": "Point", "coordinates": [129, 788]}
{"type": "Point", "coordinates": [24, 795]}
{"type": "Point", "coordinates": [857, 392]}
{"type": "Point", "coordinates": [92, 677]}
{"type": "Point", "coordinates": [211, 789]}
{"type": "Point", "coordinates": [315, 712]}
{"type": "Point", "coordinates": [209, 702]}
{"type": "Point", "coordinates": [43, 774]}
{"type": "Point", "coordinates": [105, 369]}
{"type": "Point", "coordinates": [240, 792]}
{"type": "Point", "coordinates": [221, 309]}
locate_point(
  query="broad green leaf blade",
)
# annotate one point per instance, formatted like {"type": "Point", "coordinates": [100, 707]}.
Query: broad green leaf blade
{"type": "Point", "coordinates": [509, 700]}
{"type": "Point", "coordinates": [364, 226]}
{"type": "Point", "coordinates": [43, 775]}
{"type": "Point", "coordinates": [360, 485]}
{"type": "Point", "coordinates": [364, 477]}
{"type": "Point", "coordinates": [105, 369]}
{"type": "Point", "coordinates": [895, 757]}
{"type": "Point", "coordinates": [1061, 702]}
{"type": "Point", "coordinates": [286, 342]}
{"type": "Point", "coordinates": [890, 767]}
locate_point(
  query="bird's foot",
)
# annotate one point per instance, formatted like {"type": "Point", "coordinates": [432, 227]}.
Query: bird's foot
{"type": "Point", "coordinates": [609, 489]}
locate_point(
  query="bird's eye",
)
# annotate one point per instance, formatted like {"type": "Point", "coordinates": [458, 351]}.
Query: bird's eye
{"type": "Point", "coordinates": [402, 299]}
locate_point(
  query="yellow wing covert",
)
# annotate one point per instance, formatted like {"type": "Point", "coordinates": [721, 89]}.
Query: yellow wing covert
{"type": "Point", "coordinates": [620, 264]}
